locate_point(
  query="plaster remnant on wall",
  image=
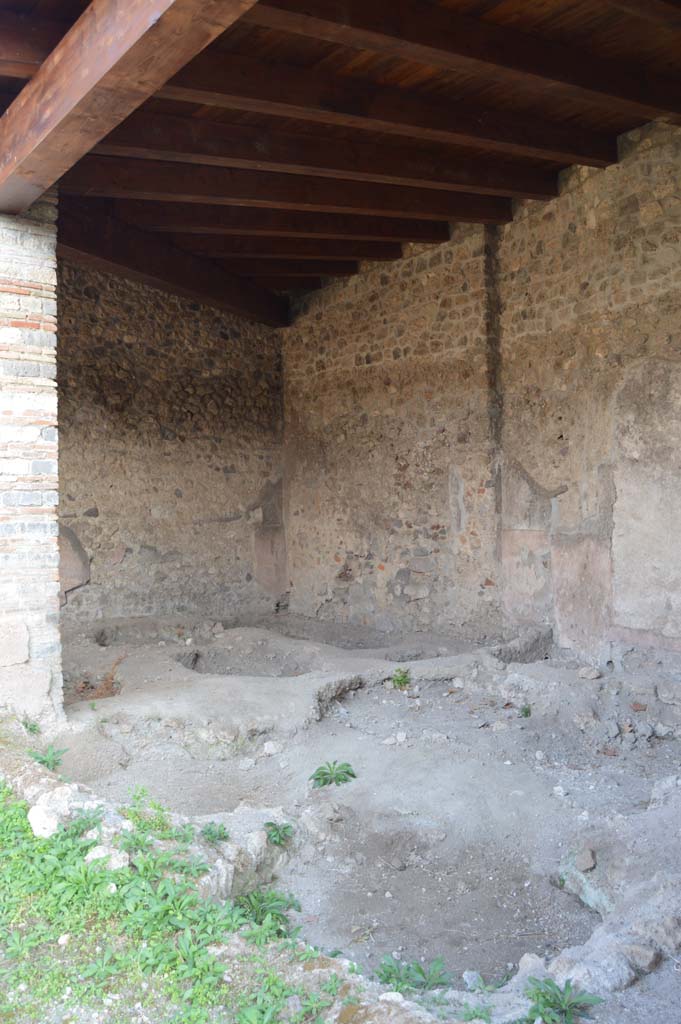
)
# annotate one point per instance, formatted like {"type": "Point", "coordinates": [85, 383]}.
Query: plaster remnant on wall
{"type": "Point", "coordinates": [74, 564]}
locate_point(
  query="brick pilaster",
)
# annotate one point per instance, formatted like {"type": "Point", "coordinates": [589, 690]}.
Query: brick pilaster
{"type": "Point", "coordinates": [30, 649]}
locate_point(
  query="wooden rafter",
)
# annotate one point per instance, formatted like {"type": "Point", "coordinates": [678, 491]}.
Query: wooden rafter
{"type": "Point", "coordinates": [131, 49]}
{"type": "Point", "coordinates": [223, 220]}
{"type": "Point", "coordinates": [659, 12]}
{"type": "Point", "coordinates": [116, 178]}
{"type": "Point", "coordinates": [245, 83]}
{"type": "Point", "coordinates": [290, 268]}
{"type": "Point", "coordinates": [25, 43]}
{"type": "Point", "coordinates": [226, 247]}
{"type": "Point", "coordinates": [159, 136]}
{"type": "Point", "coordinates": [112, 246]}
{"type": "Point", "coordinates": [438, 37]}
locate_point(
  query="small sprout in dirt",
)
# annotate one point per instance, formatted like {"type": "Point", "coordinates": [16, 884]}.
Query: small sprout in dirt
{"type": "Point", "coordinates": [278, 835]}
{"type": "Point", "coordinates": [214, 832]}
{"type": "Point", "coordinates": [526, 711]}
{"type": "Point", "coordinates": [401, 678]}
{"type": "Point", "coordinates": [561, 881]}
{"type": "Point", "coordinates": [471, 1013]}
{"type": "Point", "coordinates": [93, 705]}
{"type": "Point", "coordinates": [332, 774]}
{"type": "Point", "coordinates": [49, 758]}
{"type": "Point", "coordinates": [554, 1005]}
{"type": "Point", "coordinates": [31, 727]}
{"type": "Point", "coordinates": [405, 977]}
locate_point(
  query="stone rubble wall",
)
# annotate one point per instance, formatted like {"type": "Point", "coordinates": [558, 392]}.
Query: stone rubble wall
{"type": "Point", "coordinates": [590, 292]}
{"type": "Point", "coordinates": [170, 418]}
{"type": "Point", "coordinates": [390, 482]}
{"type": "Point", "coordinates": [488, 434]}
{"type": "Point", "coordinates": [30, 652]}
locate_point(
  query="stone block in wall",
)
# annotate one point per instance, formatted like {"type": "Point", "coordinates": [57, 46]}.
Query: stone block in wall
{"type": "Point", "coordinates": [14, 641]}
{"type": "Point", "coordinates": [26, 689]}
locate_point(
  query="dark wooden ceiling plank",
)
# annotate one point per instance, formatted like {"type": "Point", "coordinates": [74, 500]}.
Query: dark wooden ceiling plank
{"type": "Point", "coordinates": [158, 136]}
{"type": "Point", "coordinates": [25, 42]}
{"type": "Point", "coordinates": [304, 284]}
{"type": "Point", "coordinates": [659, 12]}
{"type": "Point", "coordinates": [116, 247]}
{"type": "Point", "coordinates": [255, 223]}
{"type": "Point", "coordinates": [116, 178]}
{"type": "Point", "coordinates": [263, 87]}
{"type": "Point", "coordinates": [117, 54]}
{"type": "Point", "coordinates": [439, 37]}
{"type": "Point", "coordinates": [290, 268]}
{"type": "Point", "coordinates": [224, 246]}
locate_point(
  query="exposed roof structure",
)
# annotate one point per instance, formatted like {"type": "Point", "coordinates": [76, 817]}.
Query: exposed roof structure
{"type": "Point", "coordinates": [235, 150]}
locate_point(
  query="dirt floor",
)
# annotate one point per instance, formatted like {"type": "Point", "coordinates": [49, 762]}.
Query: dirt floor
{"type": "Point", "coordinates": [498, 808]}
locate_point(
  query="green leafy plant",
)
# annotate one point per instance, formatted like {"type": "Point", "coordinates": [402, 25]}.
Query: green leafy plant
{"type": "Point", "coordinates": [526, 711]}
{"type": "Point", "coordinates": [31, 727]}
{"type": "Point", "coordinates": [144, 921]}
{"type": "Point", "coordinates": [278, 835]}
{"type": "Point", "coordinates": [49, 758]}
{"type": "Point", "coordinates": [470, 1013]}
{"type": "Point", "coordinates": [214, 832]}
{"type": "Point", "coordinates": [331, 773]}
{"type": "Point", "coordinates": [401, 678]}
{"type": "Point", "coordinates": [554, 1005]}
{"type": "Point", "coordinates": [405, 977]}
{"type": "Point", "coordinates": [151, 819]}
{"type": "Point", "coordinates": [268, 908]}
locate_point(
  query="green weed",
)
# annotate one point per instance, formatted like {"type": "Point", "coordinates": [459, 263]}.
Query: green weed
{"type": "Point", "coordinates": [401, 678]}
{"type": "Point", "coordinates": [49, 758]}
{"type": "Point", "coordinates": [143, 930]}
{"type": "Point", "coordinates": [526, 711]}
{"type": "Point", "coordinates": [31, 727]}
{"type": "Point", "coordinates": [332, 774]}
{"type": "Point", "coordinates": [214, 832]}
{"type": "Point", "coordinates": [554, 1005]}
{"type": "Point", "coordinates": [405, 977]}
{"type": "Point", "coordinates": [481, 1013]}
{"type": "Point", "coordinates": [268, 908]}
{"type": "Point", "coordinates": [278, 835]}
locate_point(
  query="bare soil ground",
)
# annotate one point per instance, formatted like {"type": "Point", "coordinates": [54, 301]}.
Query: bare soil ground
{"type": "Point", "coordinates": [477, 785]}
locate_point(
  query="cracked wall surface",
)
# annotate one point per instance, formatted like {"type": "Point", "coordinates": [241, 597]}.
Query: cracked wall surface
{"type": "Point", "coordinates": [170, 420]}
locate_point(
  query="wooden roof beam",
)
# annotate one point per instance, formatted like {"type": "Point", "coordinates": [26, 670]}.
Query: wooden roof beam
{"type": "Point", "coordinates": [438, 37]}
{"type": "Point", "coordinates": [116, 178]}
{"type": "Point", "coordinates": [256, 223]}
{"type": "Point", "coordinates": [25, 42]}
{"type": "Point", "coordinates": [264, 87]}
{"type": "Point", "coordinates": [157, 136]}
{"type": "Point", "coordinates": [659, 12]}
{"type": "Point", "coordinates": [290, 268]}
{"type": "Point", "coordinates": [226, 247]}
{"type": "Point", "coordinates": [109, 245]}
{"type": "Point", "coordinates": [117, 54]}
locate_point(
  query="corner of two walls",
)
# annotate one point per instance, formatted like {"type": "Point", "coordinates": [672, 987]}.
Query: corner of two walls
{"type": "Point", "coordinates": [170, 455]}
{"type": "Point", "coordinates": [484, 434]}
{"type": "Point", "coordinates": [591, 377]}
{"type": "Point", "coordinates": [488, 433]}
